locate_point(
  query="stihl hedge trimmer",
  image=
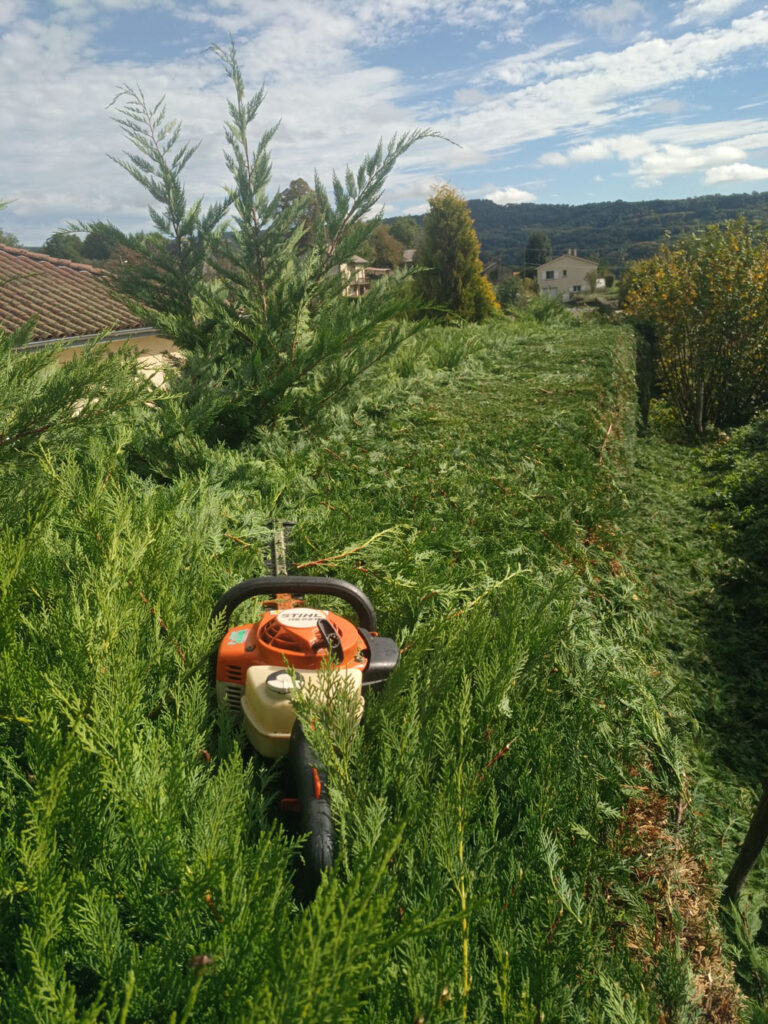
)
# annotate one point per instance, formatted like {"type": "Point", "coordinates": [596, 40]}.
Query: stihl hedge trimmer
{"type": "Point", "coordinates": [260, 665]}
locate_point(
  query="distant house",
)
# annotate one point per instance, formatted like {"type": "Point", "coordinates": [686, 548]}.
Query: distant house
{"type": "Point", "coordinates": [353, 271]}
{"type": "Point", "coordinates": [359, 276]}
{"type": "Point", "coordinates": [565, 275]}
{"type": "Point", "coordinates": [496, 270]}
{"type": "Point", "coordinates": [70, 302]}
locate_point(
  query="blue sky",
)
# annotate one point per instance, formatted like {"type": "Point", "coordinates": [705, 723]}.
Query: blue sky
{"type": "Point", "coordinates": [547, 101]}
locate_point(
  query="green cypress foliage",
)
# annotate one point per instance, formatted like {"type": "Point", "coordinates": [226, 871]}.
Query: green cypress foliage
{"type": "Point", "coordinates": [261, 309]}
{"type": "Point", "coordinates": [473, 485]}
{"type": "Point", "coordinates": [481, 873]}
{"type": "Point", "coordinates": [168, 270]}
{"type": "Point", "coordinates": [453, 280]}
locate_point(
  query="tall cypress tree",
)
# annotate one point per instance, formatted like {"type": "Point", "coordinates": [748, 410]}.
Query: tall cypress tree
{"type": "Point", "coordinates": [451, 251]}
{"type": "Point", "coordinates": [538, 250]}
{"type": "Point", "coordinates": [261, 311]}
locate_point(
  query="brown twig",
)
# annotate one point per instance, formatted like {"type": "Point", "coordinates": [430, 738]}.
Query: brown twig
{"type": "Point", "coordinates": [344, 554]}
{"type": "Point", "coordinates": [497, 757]}
{"type": "Point", "coordinates": [605, 442]}
{"type": "Point", "coordinates": [238, 540]}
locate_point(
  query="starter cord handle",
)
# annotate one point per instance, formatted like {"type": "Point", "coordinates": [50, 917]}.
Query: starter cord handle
{"type": "Point", "coordinates": [298, 586]}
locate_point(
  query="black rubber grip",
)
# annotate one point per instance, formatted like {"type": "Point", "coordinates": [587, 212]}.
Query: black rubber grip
{"type": "Point", "coordinates": [298, 585]}
{"type": "Point", "coordinates": [319, 850]}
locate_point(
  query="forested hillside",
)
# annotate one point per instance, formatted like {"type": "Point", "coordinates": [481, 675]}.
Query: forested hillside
{"type": "Point", "coordinates": [615, 233]}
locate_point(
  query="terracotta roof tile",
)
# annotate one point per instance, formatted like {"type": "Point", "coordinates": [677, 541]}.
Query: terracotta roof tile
{"type": "Point", "coordinates": [69, 299]}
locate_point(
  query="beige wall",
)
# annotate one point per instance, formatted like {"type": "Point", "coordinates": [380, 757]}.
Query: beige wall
{"type": "Point", "coordinates": [149, 344]}
{"type": "Point", "coordinates": [569, 274]}
{"type": "Point", "coordinates": [153, 351]}
{"type": "Point", "coordinates": [354, 272]}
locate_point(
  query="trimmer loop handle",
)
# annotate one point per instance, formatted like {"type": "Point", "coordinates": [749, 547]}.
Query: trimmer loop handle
{"type": "Point", "coordinates": [298, 586]}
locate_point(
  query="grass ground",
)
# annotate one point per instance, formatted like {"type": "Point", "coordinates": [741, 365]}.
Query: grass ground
{"type": "Point", "coordinates": [712, 653]}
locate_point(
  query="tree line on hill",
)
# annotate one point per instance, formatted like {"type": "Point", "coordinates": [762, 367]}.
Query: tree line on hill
{"type": "Point", "coordinates": [386, 246]}
{"type": "Point", "coordinates": [614, 233]}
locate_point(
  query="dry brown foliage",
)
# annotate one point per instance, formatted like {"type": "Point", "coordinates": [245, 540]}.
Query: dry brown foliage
{"type": "Point", "coordinates": [679, 892]}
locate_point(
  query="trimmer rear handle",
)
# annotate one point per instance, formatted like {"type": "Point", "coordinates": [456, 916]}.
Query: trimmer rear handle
{"type": "Point", "coordinates": [298, 586]}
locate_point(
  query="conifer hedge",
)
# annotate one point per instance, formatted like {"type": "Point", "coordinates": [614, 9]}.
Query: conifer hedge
{"type": "Point", "coordinates": [472, 488]}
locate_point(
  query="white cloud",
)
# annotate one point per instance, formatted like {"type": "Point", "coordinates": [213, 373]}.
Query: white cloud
{"type": "Point", "coordinates": [598, 149]}
{"type": "Point", "coordinates": [56, 128]}
{"type": "Point", "coordinates": [510, 194]}
{"type": "Point", "coordinates": [411, 189]}
{"type": "Point", "coordinates": [595, 90]}
{"type": "Point", "coordinates": [335, 102]}
{"type": "Point", "coordinates": [615, 19]}
{"type": "Point", "coordinates": [11, 11]}
{"type": "Point", "coordinates": [706, 11]}
{"type": "Point", "coordinates": [651, 63]}
{"type": "Point", "coordinates": [652, 157]}
{"type": "Point", "coordinates": [523, 68]}
{"type": "Point", "coordinates": [670, 159]}
{"type": "Point", "coordinates": [469, 97]}
{"type": "Point", "coordinates": [510, 35]}
{"type": "Point", "coordinates": [416, 211]}
{"type": "Point", "coordinates": [735, 172]}
{"type": "Point", "coordinates": [372, 23]}
{"type": "Point", "coordinates": [665, 106]}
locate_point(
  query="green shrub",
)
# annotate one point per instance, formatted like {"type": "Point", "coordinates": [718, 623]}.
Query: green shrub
{"type": "Point", "coordinates": [510, 292]}
{"type": "Point", "coordinates": [740, 466]}
{"type": "Point", "coordinates": [707, 301]}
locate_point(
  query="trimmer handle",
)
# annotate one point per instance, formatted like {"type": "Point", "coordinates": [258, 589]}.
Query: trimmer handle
{"type": "Point", "coordinates": [298, 585]}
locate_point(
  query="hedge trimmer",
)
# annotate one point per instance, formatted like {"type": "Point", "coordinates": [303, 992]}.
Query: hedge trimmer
{"type": "Point", "coordinates": [261, 665]}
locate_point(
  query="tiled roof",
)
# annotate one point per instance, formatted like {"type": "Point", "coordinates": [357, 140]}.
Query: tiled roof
{"type": "Point", "coordinates": [567, 256]}
{"type": "Point", "coordinates": [69, 299]}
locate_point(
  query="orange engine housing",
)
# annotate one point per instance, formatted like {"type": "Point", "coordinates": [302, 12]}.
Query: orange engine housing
{"type": "Point", "coordinates": [287, 636]}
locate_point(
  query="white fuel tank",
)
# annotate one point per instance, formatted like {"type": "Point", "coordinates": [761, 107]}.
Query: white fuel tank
{"type": "Point", "coordinates": [268, 711]}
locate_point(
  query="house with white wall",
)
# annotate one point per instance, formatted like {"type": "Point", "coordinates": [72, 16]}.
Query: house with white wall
{"type": "Point", "coordinates": [359, 276]}
{"type": "Point", "coordinates": [565, 275]}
